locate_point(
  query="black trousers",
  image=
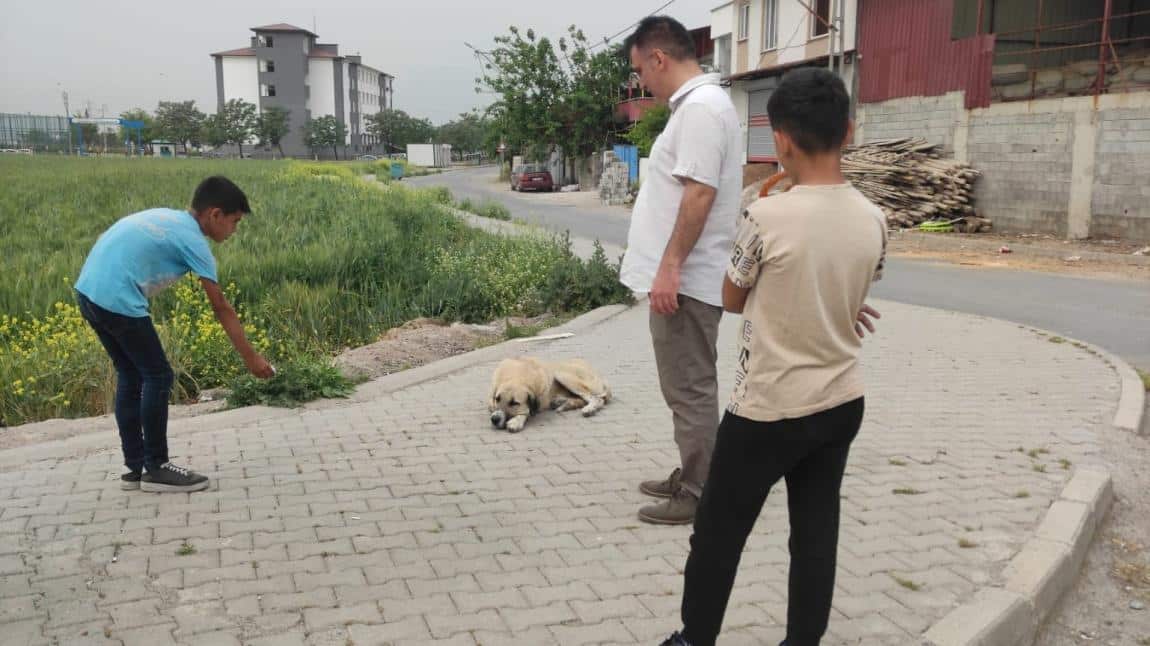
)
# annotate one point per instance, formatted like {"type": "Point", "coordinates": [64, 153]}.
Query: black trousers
{"type": "Point", "coordinates": [750, 457]}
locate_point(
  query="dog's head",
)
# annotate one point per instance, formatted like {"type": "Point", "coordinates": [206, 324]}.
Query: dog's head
{"type": "Point", "coordinates": [511, 400]}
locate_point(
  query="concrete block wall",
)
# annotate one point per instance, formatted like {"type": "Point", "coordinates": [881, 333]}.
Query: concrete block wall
{"type": "Point", "coordinates": [932, 117]}
{"type": "Point", "coordinates": [1026, 162]}
{"type": "Point", "coordinates": [1063, 166]}
{"type": "Point", "coordinates": [1121, 187]}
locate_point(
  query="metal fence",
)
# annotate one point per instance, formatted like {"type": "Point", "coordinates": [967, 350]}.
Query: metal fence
{"type": "Point", "coordinates": [1104, 54]}
{"type": "Point", "coordinates": [38, 132]}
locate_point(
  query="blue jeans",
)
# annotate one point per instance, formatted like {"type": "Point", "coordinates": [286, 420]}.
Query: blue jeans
{"type": "Point", "coordinates": [143, 383]}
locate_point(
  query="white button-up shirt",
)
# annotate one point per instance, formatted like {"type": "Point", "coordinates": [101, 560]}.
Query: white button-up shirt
{"type": "Point", "coordinates": [701, 142]}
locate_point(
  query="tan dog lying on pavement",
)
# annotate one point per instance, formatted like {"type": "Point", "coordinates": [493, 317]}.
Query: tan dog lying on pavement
{"type": "Point", "coordinates": [521, 387]}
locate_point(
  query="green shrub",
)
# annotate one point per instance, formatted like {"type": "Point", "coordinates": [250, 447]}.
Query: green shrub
{"type": "Point", "coordinates": [295, 383]}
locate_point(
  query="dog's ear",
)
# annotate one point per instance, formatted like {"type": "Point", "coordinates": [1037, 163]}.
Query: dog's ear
{"type": "Point", "coordinates": [532, 403]}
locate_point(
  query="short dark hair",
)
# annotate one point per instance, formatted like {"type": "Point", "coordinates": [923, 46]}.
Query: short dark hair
{"type": "Point", "coordinates": [663, 32]}
{"type": "Point", "coordinates": [220, 192]}
{"type": "Point", "coordinates": [812, 107]}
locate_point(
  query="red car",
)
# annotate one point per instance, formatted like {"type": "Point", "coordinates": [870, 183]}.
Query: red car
{"type": "Point", "coordinates": [532, 177]}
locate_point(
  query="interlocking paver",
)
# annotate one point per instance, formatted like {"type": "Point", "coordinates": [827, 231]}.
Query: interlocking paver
{"type": "Point", "coordinates": [319, 618]}
{"type": "Point", "coordinates": [408, 503]}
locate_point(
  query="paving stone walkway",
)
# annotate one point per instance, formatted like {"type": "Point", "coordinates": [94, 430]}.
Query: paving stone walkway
{"type": "Point", "coordinates": [406, 519]}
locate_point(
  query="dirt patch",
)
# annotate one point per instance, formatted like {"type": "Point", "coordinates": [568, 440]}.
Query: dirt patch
{"type": "Point", "coordinates": [424, 340]}
{"type": "Point", "coordinates": [1110, 601]}
{"type": "Point", "coordinates": [1104, 258]}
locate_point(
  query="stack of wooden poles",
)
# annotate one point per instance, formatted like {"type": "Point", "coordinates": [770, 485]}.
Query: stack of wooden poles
{"type": "Point", "coordinates": [913, 184]}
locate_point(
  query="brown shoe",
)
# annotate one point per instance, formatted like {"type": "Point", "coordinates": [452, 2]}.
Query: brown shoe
{"type": "Point", "coordinates": [679, 509]}
{"type": "Point", "coordinates": [662, 488]}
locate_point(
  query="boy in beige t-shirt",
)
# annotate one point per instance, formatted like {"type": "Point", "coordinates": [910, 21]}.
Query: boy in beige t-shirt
{"type": "Point", "coordinates": [802, 265]}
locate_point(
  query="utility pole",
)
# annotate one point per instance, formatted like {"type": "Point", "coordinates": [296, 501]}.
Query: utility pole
{"type": "Point", "coordinates": [67, 119]}
{"type": "Point", "coordinates": [843, 37]}
{"type": "Point", "coordinates": [833, 25]}
{"type": "Point", "coordinates": [104, 134]}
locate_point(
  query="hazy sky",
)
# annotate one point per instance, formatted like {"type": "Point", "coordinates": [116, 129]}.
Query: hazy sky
{"type": "Point", "coordinates": [133, 54]}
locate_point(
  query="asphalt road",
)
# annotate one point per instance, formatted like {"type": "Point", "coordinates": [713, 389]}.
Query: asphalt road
{"type": "Point", "coordinates": [1111, 313]}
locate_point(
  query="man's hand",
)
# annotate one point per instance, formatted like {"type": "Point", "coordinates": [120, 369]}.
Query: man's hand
{"type": "Point", "coordinates": [259, 366]}
{"type": "Point", "coordinates": [863, 320]}
{"type": "Point", "coordinates": [664, 293]}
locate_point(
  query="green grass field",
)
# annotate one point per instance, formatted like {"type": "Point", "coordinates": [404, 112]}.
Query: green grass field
{"type": "Point", "coordinates": [325, 261]}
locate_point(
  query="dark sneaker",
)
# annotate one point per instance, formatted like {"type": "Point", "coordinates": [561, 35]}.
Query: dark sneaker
{"type": "Point", "coordinates": [675, 640]}
{"type": "Point", "coordinates": [679, 509]}
{"type": "Point", "coordinates": [170, 477]}
{"type": "Point", "coordinates": [662, 488]}
{"type": "Point", "coordinates": [130, 481]}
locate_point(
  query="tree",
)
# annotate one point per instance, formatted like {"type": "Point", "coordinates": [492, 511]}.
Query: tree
{"type": "Point", "coordinates": [212, 131]}
{"type": "Point", "coordinates": [565, 96]}
{"type": "Point", "coordinates": [325, 131]}
{"type": "Point", "coordinates": [147, 133]}
{"type": "Point", "coordinates": [396, 128]}
{"type": "Point", "coordinates": [467, 134]}
{"type": "Point", "coordinates": [272, 126]}
{"type": "Point", "coordinates": [647, 128]}
{"type": "Point", "coordinates": [238, 122]}
{"type": "Point", "coordinates": [179, 121]}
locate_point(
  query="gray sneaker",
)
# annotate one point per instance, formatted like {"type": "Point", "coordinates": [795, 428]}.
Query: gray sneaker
{"type": "Point", "coordinates": [662, 488]}
{"type": "Point", "coordinates": [171, 478]}
{"type": "Point", "coordinates": [679, 509]}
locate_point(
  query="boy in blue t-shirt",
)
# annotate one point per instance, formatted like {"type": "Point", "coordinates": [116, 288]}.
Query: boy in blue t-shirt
{"type": "Point", "coordinates": [137, 257]}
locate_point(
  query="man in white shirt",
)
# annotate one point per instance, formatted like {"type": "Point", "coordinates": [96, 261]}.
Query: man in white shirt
{"type": "Point", "coordinates": [682, 228]}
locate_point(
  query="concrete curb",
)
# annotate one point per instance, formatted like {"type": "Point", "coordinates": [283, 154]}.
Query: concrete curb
{"type": "Point", "coordinates": [1130, 415]}
{"type": "Point", "coordinates": [108, 440]}
{"type": "Point", "coordinates": [1049, 563]}
{"type": "Point", "coordinates": [443, 367]}
{"type": "Point", "coordinates": [922, 241]}
{"type": "Point", "coordinates": [1132, 398]}
{"type": "Point", "coordinates": [1037, 576]}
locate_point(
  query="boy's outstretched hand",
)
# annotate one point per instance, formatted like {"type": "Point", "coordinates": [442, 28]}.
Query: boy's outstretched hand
{"type": "Point", "coordinates": [260, 367]}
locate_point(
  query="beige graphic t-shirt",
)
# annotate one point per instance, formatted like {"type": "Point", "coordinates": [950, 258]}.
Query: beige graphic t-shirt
{"type": "Point", "coordinates": [809, 256]}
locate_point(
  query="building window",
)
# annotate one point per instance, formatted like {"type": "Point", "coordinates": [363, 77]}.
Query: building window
{"type": "Point", "coordinates": [265, 41]}
{"type": "Point", "coordinates": [723, 55]}
{"type": "Point", "coordinates": [267, 66]}
{"type": "Point", "coordinates": [744, 20]}
{"type": "Point", "coordinates": [819, 21]}
{"type": "Point", "coordinates": [267, 90]}
{"type": "Point", "coordinates": [770, 24]}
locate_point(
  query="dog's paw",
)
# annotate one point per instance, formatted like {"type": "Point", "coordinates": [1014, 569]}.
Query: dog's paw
{"type": "Point", "coordinates": [592, 407]}
{"type": "Point", "coordinates": [516, 424]}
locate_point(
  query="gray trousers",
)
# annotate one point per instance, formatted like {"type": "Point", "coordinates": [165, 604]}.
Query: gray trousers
{"type": "Point", "coordinates": [685, 355]}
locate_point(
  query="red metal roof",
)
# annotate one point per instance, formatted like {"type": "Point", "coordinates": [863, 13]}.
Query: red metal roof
{"type": "Point", "coordinates": [907, 50]}
{"type": "Point", "coordinates": [243, 51]}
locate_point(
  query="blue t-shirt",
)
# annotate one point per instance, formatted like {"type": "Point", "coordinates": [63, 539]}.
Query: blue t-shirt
{"type": "Point", "coordinates": [142, 254]}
